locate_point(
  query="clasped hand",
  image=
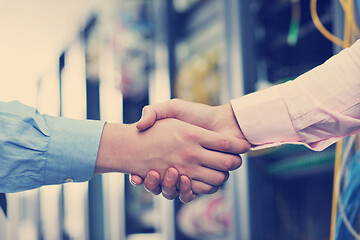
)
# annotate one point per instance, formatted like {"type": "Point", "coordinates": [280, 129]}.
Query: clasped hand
{"type": "Point", "coordinates": [207, 151]}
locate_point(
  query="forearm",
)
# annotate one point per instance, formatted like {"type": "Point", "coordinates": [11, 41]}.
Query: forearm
{"type": "Point", "coordinates": [316, 109]}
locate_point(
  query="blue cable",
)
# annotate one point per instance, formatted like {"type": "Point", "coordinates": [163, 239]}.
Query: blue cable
{"type": "Point", "coordinates": [350, 198]}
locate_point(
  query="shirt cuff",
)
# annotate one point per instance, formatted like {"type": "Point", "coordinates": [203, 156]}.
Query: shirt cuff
{"type": "Point", "coordinates": [263, 118]}
{"type": "Point", "coordinates": [72, 150]}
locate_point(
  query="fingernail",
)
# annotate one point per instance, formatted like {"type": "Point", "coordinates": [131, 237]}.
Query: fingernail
{"type": "Point", "coordinates": [143, 112]}
{"type": "Point", "coordinates": [170, 176]}
{"type": "Point", "coordinates": [133, 183]}
{"type": "Point", "coordinates": [152, 179]}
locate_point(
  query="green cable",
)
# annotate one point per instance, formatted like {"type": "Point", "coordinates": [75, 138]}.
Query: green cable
{"type": "Point", "coordinates": [293, 33]}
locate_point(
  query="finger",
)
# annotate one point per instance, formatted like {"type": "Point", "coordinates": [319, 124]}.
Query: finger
{"type": "Point", "coordinates": [220, 142]}
{"type": "Point", "coordinates": [210, 176]}
{"type": "Point", "coordinates": [147, 119]}
{"type": "Point", "coordinates": [201, 188]}
{"type": "Point", "coordinates": [186, 194]}
{"type": "Point", "coordinates": [227, 176]}
{"type": "Point", "coordinates": [220, 161]}
{"type": "Point", "coordinates": [169, 184]}
{"type": "Point", "coordinates": [152, 182]}
{"type": "Point", "coordinates": [135, 180]}
{"type": "Point", "coordinates": [175, 195]}
{"type": "Point", "coordinates": [154, 112]}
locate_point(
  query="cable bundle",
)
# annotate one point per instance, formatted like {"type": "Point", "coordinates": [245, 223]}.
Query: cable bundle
{"type": "Point", "coordinates": [351, 30]}
{"type": "Point", "coordinates": [348, 203]}
{"type": "Point", "coordinates": [347, 195]}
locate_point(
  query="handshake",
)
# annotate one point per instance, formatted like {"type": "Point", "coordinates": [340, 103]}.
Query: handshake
{"type": "Point", "coordinates": [185, 149]}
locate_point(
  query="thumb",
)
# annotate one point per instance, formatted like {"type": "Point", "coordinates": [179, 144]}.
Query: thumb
{"type": "Point", "coordinates": [147, 119]}
{"type": "Point", "coordinates": [151, 113]}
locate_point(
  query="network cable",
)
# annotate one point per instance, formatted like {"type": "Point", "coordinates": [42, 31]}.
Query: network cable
{"type": "Point", "coordinates": [349, 198]}
{"type": "Point", "coordinates": [351, 33]}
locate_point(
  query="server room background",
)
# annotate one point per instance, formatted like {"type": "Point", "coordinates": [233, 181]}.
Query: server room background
{"type": "Point", "coordinates": [107, 59]}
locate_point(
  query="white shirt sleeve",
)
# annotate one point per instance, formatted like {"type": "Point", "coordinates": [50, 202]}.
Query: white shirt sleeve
{"type": "Point", "coordinates": [316, 109]}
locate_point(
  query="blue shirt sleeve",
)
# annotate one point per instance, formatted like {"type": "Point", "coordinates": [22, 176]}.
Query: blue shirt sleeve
{"type": "Point", "coordinates": [38, 149]}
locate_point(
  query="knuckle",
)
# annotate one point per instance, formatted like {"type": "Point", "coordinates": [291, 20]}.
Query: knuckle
{"type": "Point", "coordinates": [175, 101]}
{"type": "Point", "coordinates": [186, 168]}
{"type": "Point", "coordinates": [224, 144]}
{"type": "Point", "coordinates": [220, 179]}
{"type": "Point", "coordinates": [190, 136]}
{"type": "Point", "coordinates": [228, 164]}
{"type": "Point", "coordinates": [189, 154]}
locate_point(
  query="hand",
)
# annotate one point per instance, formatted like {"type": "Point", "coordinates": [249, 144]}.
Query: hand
{"type": "Point", "coordinates": [171, 187]}
{"type": "Point", "coordinates": [202, 155]}
{"type": "Point", "coordinates": [220, 119]}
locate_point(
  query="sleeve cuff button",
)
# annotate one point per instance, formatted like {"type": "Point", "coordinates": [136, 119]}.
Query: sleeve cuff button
{"type": "Point", "coordinates": [69, 180]}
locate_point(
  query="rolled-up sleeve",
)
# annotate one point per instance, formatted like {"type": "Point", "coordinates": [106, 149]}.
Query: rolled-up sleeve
{"type": "Point", "coordinates": [37, 149]}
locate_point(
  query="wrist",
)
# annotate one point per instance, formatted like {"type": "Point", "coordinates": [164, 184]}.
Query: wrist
{"type": "Point", "coordinates": [234, 120]}
{"type": "Point", "coordinates": [113, 148]}
{"type": "Point", "coordinates": [227, 122]}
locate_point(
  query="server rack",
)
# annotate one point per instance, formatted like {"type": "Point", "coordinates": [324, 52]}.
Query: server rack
{"type": "Point", "coordinates": [284, 182]}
